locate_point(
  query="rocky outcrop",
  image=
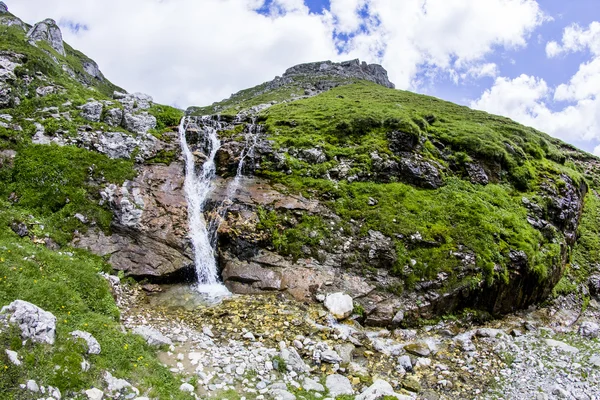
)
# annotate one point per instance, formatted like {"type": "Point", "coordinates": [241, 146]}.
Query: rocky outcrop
{"type": "Point", "coordinates": [149, 236]}
{"type": "Point", "coordinates": [3, 8]}
{"type": "Point", "coordinates": [34, 323]}
{"type": "Point", "coordinates": [48, 31]}
{"type": "Point", "coordinates": [347, 69]}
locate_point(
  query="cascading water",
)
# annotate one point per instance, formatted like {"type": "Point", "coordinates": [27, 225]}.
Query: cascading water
{"type": "Point", "coordinates": [198, 185]}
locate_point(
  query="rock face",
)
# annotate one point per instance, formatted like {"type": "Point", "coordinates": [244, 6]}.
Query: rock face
{"type": "Point", "coordinates": [149, 236]}
{"type": "Point", "coordinates": [35, 323]}
{"type": "Point", "coordinates": [3, 8]}
{"type": "Point", "coordinates": [48, 31]}
{"type": "Point", "coordinates": [348, 69]}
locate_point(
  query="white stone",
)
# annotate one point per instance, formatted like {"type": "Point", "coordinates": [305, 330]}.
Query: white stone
{"type": "Point", "coordinates": [32, 386]}
{"type": "Point", "coordinates": [152, 336]}
{"type": "Point", "coordinates": [35, 323]}
{"type": "Point", "coordinates": [338, 385]}
{"type": "Point", "coordinates": [94, 394]}
{"type": "Point", "coordinates": [186, 387]}
{"type": "Point", "coordinates": [561, 346]}
{"type": "Point", "coordinates": [92, 343]}
{"type": "Point", "coordinates": [13, 357]}
{"type": "Point", "coordinates": [310, 384]}
{"type": "Point", "coordinates": [340, 305]}
{"type": "Point", "coordinates": [378, 390]}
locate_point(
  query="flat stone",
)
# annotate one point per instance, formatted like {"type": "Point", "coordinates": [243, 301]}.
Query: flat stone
{"type": "Point", "coordinates": [561, 346]}
{"type": "Point", "coordinates": [418, 349]}
{"type": "Point", "coordinates": [338, 385]}
{"type": "Point", "coordinates": [378, 390]}
{"type": "Point", "coordinates": [152, 336]}
{"type": "Point", "coordinates": [311, 384]}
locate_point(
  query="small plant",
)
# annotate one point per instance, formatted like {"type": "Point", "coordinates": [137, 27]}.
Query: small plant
{"type": "Point", "coordinates": [279, 364]}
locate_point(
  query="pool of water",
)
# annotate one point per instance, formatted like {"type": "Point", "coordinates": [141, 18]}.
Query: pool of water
{"type": "Point", "coordinates": [188, 297]}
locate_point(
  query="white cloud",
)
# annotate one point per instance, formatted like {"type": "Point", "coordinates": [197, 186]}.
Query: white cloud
{"type": "Point", "coordinates": [576, 38]}
{"type": "Point", "coordinates": [196, 52]}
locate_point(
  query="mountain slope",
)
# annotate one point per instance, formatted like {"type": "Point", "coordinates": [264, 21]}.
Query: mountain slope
{"type": "Point", "coordinates": [431, 206]}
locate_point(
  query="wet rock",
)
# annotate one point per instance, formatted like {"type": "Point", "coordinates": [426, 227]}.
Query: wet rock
{"type": "Point", "coordinates": [419, 349]}
{"type": "Point", "coordinates": [92, 111]}
{"type": "Point", "coordinates": [34, 323]}
{"type": "Point", "coordinates": [338, 385]}
{"type": "Point", "coordinates": [380, 389]}
{"type": "Point", "coordinates": [152, 336]}
{"type": "Point", "coordinates": [92, 343]}
{"type": "Point", "coordinates": [48, 31]}
{"type": "Point", "coordinates": [340, 305]}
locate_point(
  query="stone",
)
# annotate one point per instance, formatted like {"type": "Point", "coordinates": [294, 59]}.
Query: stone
{"type": "Point", "coordinates": [92, 69]}
{"type": "Point", "coordinates": [404, 362]}
{"type": "Point", "coordinates": [94, 394]}
{"type": "Point", "coordinates": [115, 385]}
{"type": "Point", "coordinates": [32, 386]}
{"type": "Point", "coordinates": [281, 394]}
{"type": "Point", "coordinates": [293, 360]}
{"type": "Point", "coordinates": [139, 123]}
{"type": "Point", "coordinates": [345, 351]}
{"type": "Point", "coordinates": [338, 385]}
{"type": "Point", "coordinates": [411, 384]}
{"type": "Point", "coordinates": [249, 336]}
{"type": "Point", "coordinates": [312, 385]}
{"type": "Point", "coordinates": [378, 390]}
{"type": "Point", "coordinates": [314, 156]}
{"type": "Point", "coordinates": [114, 117]}
{"type": "Point", "coordinates": [20, 228]}
{"type": "Point", "coordinates": [186, 387]}
{"type": "Point", "coordinates": [43, 91]}
{"type": "Point", "coordinates": [35, 323]}
{"type": "Point", "coordinates": [400, 141]}
{"type": "Point", "coordinates": [595, 360]}
{"type": "Point", "coordinates": [476, 174]}
{"type": "Point", "coordinates": [561, 346]}
{"type": "Point", "coordinates": [5, 95]}
{"type": "Point", "coordinates": [330, 356]}
{"type": "Point", "coordinates": [3, 8]}
{"type": "Point", "coordinates": [152, 336]}
{"type": "Point", "coordinates": [340, 305]}
{"type": "Point", "coordinates": [418, 349]}
{"type": "Point", "coordinates": [13, 357]}
{"type": "Point", "coordinates": [48, 31]}
{"type": "Point", "coordinates": [92, 111]}
{"type": "Point", "coordinates": [92, 343]}
{"type": "Point", "coordinates": [589, 329]}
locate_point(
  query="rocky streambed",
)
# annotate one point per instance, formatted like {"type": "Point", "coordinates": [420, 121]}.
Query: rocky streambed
{"type": "Point", "coordinates": [273, 347]}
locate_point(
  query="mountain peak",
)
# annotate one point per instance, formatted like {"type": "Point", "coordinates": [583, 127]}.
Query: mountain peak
{"type": "Point", "coordinates": [346, 69]}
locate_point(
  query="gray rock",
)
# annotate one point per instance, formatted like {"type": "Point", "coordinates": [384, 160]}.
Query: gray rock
{"type": "Point", "coordinates": [345, 351]}
{"type": "Point", "coordinates": [293, 360]}
{"type": "Point", "coordinates": [338, 385]}
{"type": "Point", "coordinates": [115, 385]}
{"type": "Point", "coordinates": [378, 390]}
{"type": "Point", "coordinates": [3, 8]}
{"type": "Point", "coordinates": [186, 387]}
{"type": "Point", "coordinates": [92, 111]}
{"type": "Point", "coordinates": [94, 394]}
{"type": "Point", "coordinates": [314, 156]}
{"type": "Point", "coordinates": [419, 349]}
{"type": "Point", "coordinates": [357, 369]}
{"type": "Point", "coordinates": [312, 385]}
{"type": "Point", "coordinates": [119, 145]}
{"type": "Point", "coordinates": [43, 91]}
{"type": "Point", "coordinates": [139, 123]}
{"type": "Point", "coordinates": [331, 357]}
{"type": "Point", "coordinates": [92, 343]}
{"type": "Point", "coordinates": [561, 346]}
{"type": "Point", "coordinates": [114, 117]}
{"type": "Point", "coordinates": [35, 323]}
{"type": "Point", "coordinates": [340, 305]}
{"type": "Point", "coordinates": [477, 174]}
{"type": "Point", "coordinates": [13, 357]}
{"type": "Point", "coordinates": [152, 336]}
{"type": "Point", "coordinates": [48, 31]}
{"type": "Point", "coordinates": [589, 329]}
{"type": "Point", "coordinates": [5, 95]}
{"type": "Point", "coordinates": [32, 386]}
{"type": "Point", "coordinates": [404, 362]}
{"type": "Point", "coordinates": [595, 360]}
{"type": "Point", "coordinates": [92, 68]}
{"type": "Point", "coordinates": [280, 394]}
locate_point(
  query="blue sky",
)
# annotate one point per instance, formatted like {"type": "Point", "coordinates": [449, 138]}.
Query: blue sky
{"type": "Point", "coordinates": [536, 61]}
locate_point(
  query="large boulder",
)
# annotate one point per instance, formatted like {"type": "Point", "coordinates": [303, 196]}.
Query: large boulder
{"type": "Point", "coordinates": [340, 305]}
{"type": "Point", "coordinates": [35, 323]}
{"type": "Point", "coordinates": [152, 336]}
{"type": "Point", "coordinates": [338, 385]}
{"type": "Point", "coordinates": [92, 111]}
{"type": "Point", "coordinates": [139, 123]}
{"type": "Point", "coordinates": [48, 31]}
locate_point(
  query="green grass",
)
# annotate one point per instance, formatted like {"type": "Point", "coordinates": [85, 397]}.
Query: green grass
{"type": "Point", "coordinates": [68, 285]}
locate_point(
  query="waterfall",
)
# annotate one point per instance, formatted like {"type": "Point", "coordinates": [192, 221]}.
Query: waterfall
{"type": "Point", "coordinates": [198, 185]}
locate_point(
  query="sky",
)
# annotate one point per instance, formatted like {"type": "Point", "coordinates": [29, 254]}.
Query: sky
{"type": "Point", "coordinates": [535, 61]}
